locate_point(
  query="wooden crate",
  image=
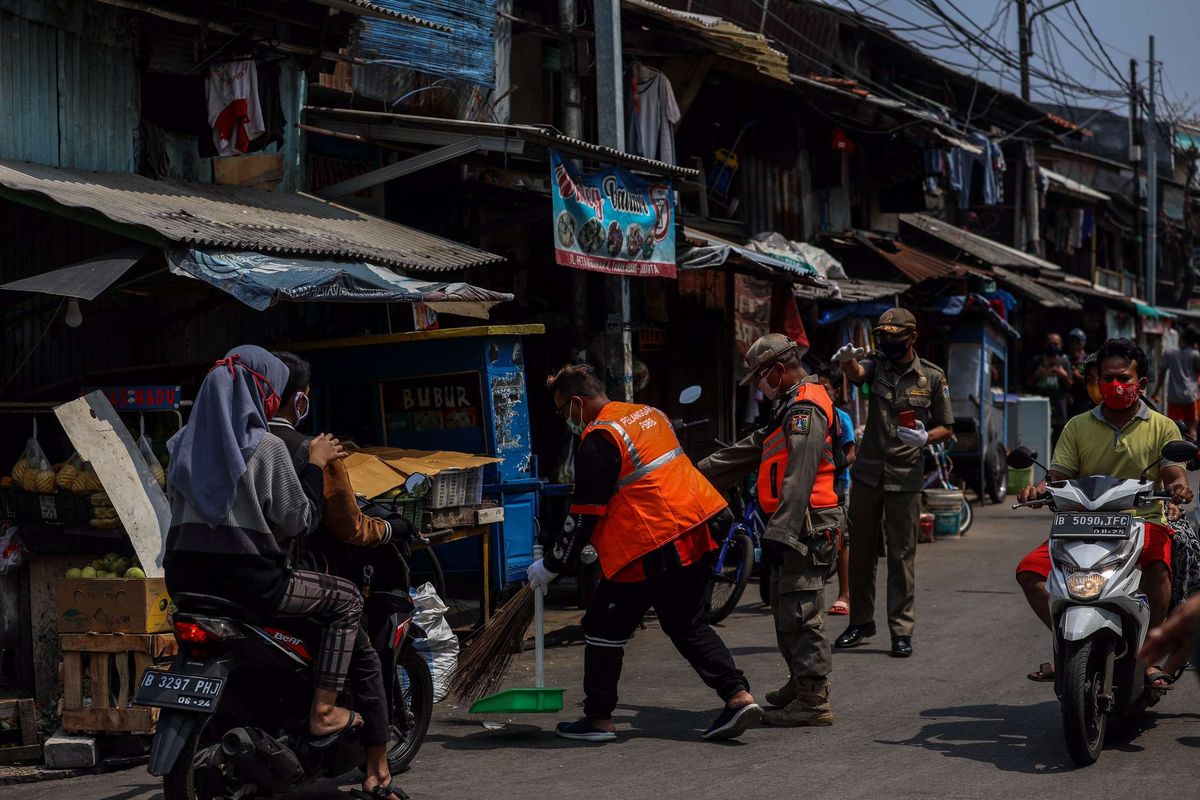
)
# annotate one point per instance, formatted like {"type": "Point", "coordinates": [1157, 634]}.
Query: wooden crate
{"type": "Point", "coordinates": [27, 747]}
{"type": "Point", "coordinates": [97, 656]}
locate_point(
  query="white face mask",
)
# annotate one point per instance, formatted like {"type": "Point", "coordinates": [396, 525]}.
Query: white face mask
{"type": "Point", "coordinates": [576, 427]}
{"type": "Point", "coordinates": [301, 415]}
{"type": "Point", "coordinates": [764, 384]}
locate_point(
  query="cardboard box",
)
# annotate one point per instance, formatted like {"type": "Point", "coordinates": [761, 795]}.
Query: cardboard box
{"type": "Point", "coordinates": [113, 605]}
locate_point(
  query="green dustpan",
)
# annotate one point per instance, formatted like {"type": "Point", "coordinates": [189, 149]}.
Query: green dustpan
{"type": "Point", "coordinates": [538, 700]}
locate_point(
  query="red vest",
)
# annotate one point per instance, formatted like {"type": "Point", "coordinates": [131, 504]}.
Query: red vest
{"type": "Point", "coordinates": [659, 496]}
{"type": "Point", "coordinates": [775, 456]}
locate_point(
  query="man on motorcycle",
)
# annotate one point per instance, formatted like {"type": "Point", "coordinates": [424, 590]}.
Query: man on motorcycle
{"type": "Point", "coordinates": [342, 517]}
{"type": "Point", "coordinates": [1118, 438]}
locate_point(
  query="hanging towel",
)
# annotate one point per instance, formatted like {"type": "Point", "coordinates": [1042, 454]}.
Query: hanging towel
{"type": "Point", "coordinates": [234, 111]}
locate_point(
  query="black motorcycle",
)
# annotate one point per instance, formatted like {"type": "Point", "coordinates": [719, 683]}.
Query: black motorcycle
{"type": "Point", "coordinates": [235, 702]}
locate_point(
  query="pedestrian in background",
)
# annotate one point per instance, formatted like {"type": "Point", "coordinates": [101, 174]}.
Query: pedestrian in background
{"type": "Point", "coordinates": [796, 463]}
{"type": "Point", "coordinates": [1180, 368]}
{"type": "Point", "coordinates": [831, 378]}
{"type": "Point", "coordinates": [908, 408]}
{"type": "Point", "coordinates": [1051, 376]}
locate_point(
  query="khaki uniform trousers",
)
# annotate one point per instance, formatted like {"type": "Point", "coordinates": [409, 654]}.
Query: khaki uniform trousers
{"type": "Point", "coordinates": [893, 519]}
{"type": "Point", "coordinates": [798, 602]}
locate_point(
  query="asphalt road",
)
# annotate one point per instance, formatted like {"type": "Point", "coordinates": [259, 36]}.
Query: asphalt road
{"type": "Point", "coordinates": [959, 720]}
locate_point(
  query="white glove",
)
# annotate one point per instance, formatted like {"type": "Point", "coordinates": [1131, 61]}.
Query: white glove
{"type": "Point", "coordinates": [848, 352]}
{"type": "Point", "coordinates": [913, 437]}
{"type": "Point", "coordinates": [538, 576]}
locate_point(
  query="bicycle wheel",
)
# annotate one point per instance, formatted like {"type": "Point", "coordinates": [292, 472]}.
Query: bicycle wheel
{"type": "Point", "coordinates": [966, 517]}
{"type": "Point", "coordinates": [731, 573]}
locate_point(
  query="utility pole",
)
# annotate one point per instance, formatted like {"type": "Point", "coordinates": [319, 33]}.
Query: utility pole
{"type": "Point", "coordinates": [573, 126]}
{"type": "Point", "coordinates": [1151, 188]}
{"type": "Point", "coordinates": [610, 117]}
{"type": "Point", "coordinates": [1023, 45]}
{"type": "Point", "coordinates": [1136, 143]}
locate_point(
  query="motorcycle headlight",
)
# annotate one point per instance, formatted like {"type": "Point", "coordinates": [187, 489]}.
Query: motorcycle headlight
{"type": "Point", "coordinates": [1086, 585]}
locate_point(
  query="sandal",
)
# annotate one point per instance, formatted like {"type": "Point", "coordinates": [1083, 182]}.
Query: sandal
{"type": "Point", "coordinates": [1044, 674]}
{"type": "Point", "coordinates": [321, 742]}
{"type": "Point", "coordinates": [839, 609]}
{"type": "Point", "coordinates": [1155, 675]}
{"type": "Point", "coordinates": [381, 792]}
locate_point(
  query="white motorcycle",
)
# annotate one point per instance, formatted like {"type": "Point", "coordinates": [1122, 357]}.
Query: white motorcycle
{"type": "Point", "coordinates": [1100, 616]}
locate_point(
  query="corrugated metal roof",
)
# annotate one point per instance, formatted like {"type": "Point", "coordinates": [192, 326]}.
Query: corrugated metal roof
{"type": "Point", "coordinates": [981, 247]}
{"type": "Point", "coordinates": [366, 8]}
{"type": "Point", "coordinates": [852, 290]}
{"type": "Point", "coordinates": [543, 135]}
{"type": "Point", "coordinates": [1072, 187]}
{"type": "Point", "coordinates": [236, 218]}
{"type": "Point", "coordinates": [728, 39]}
{"type": "Point", "coordinates": [914, 262]}
{"type": "Point", "coordinates": [1035, 290]}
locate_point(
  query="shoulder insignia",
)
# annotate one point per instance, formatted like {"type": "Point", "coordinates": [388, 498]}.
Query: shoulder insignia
{"type": "Point", "coordinates": [945, 390]}
{"type": "Point", "coordinates": [800, 421]}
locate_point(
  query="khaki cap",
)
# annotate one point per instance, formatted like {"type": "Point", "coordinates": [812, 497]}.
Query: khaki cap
{"type": "Point", "coordinates": [896, 320]}
{"type": "Point", "coordinates": [766, 350]}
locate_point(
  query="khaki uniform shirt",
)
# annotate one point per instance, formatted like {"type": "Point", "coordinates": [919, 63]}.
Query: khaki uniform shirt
{"type": "Point", "coordinates": [883, 461]}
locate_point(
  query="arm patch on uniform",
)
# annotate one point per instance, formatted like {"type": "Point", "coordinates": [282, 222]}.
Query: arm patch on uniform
{"type": "Point", "coordinates": [945, 390]}
{"type": "Point", "coordinates": [800, 421]}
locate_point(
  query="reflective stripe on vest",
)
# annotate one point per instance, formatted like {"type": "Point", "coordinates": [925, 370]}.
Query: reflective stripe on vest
{"type": "Point", "coordinates": [773, 468]}
{"type": "Point", "coordinates": [658, 497]}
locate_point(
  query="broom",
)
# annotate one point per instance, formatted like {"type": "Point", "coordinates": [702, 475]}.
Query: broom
{"type": "Point", "coordinates": [486, 660]}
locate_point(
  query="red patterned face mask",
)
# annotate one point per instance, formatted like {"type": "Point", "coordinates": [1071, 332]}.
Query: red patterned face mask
{"type": "Point", "coordinates": [267, 392]}
{"type": "Point", "coordinates": [1119, 396]}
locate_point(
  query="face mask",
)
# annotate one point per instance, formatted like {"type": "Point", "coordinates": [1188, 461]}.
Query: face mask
{"type": "Point", "coordinates": [266, 391]}
{"type": "Point", "coordinates": [894, 348]}
{"type": "Point", "coordinates": [575, 427]}
{"type": "Point", "coordinates": [1053, 350]}
{"type": "Point", "coordinates": [764, 385]}
{"type": "Point", "coordinates": [1093, 390]}
{"type": "Point", "coordinates": [1119, 396]}
{"type": "Point", "coordinates": [301, 415]}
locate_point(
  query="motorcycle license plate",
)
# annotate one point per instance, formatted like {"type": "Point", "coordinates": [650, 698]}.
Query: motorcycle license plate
{"type": "Point", "coordinates": [1090, 525]}
{"type": "Point", "coordinates": [179, 691]}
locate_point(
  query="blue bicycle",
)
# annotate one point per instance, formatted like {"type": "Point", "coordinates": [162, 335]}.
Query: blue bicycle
{"type": "Point", "coordinates": [739, 555]}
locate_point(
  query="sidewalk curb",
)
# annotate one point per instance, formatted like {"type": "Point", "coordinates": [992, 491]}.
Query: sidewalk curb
{"type": "Point", "coordinates": [40, 775]}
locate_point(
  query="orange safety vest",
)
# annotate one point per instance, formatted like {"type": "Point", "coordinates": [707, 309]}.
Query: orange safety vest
{"type": "Point", "coordinates": [775, 456]}
{"type": "Point", "coordinates": [660, 495]}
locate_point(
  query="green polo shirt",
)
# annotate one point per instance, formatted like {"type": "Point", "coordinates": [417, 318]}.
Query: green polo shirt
{"type": "Point", "coordinates": [1090, 445]}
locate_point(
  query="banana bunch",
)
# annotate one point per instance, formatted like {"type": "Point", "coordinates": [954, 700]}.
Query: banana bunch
{"type": "Point", "coordinates": [85, 481]}
{"type": "Point", "coordinates": [104, 516]}
{"type": "Point", "coordinates": [159, 473]}
{"type": "Point", "coordinates": [67, 474]}
{"type": "Point", "coordinates": [33, 479]}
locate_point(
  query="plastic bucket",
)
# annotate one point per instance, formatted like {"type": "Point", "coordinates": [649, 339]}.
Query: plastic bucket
{"type": "Point", "coordinates": [946, 507]}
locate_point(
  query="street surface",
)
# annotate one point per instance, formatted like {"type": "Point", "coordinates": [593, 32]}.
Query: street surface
{"type": "Point", "coordinates": [958, 720]}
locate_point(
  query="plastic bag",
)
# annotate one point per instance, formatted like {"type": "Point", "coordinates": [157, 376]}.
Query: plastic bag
{"type": "Point", "coordinates": [86, 480]}
{"type": "Point", "coordinates": [12, 551]}
{"type": "Point", "coordinates": [440, 645]}
{"type": "Point", "coordinates": [33, 471]}
{"type": "Point", "coordinates": [68, 472]}
{"type": "Point", "coordinates": [152, 461]}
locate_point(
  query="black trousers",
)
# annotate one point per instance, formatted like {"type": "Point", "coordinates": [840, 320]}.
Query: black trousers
{"type": "Point", "coordinates": [366, 681]}
{"type": "Point", "coordinates": [617, 609]}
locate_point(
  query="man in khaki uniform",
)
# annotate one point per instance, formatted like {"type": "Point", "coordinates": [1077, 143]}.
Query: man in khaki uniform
{"type": "Point", "coordinates": [885, 503]}
{"type": "Point", "coordinates": [796, 487]}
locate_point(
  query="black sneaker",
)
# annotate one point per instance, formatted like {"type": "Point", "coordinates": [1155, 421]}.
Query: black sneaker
{"type": "Point", "coordinates": [733, 722]}
{"type": "Point", "coordinates": [584, 731]}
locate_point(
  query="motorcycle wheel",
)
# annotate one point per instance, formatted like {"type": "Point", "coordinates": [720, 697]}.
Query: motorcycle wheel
{"type": "Point", "coordinates": [180, 782]}
{"type": "Point", "coordinates": [966, 517]}
{"type": "Point", "coordinates": [729, 578]}
{"type": "Point", "coordinates": [1084, 723]}
{"type": "Point", "coordinates": [411, 709]}
{"type": "Point", "coordinates": [997, 475]}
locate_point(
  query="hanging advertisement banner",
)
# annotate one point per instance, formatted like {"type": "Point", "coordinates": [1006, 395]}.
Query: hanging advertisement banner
{"type": "Point", "coordinates": [612, 221]}
{"type": "Point", "coordinates": [751, 316]}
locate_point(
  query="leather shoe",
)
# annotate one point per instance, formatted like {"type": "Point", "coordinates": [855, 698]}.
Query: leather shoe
{"type": "Point", "coordinates": [902, 647]}
{"type": "Point", "coordinates": [855, 635]}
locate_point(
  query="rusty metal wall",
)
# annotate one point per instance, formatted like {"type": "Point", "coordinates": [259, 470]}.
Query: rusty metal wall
{"type": "Point", "coordinates": [771, 197]}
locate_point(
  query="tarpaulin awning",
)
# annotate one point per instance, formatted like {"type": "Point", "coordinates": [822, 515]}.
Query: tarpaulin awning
{"type": "Point", "coordinates": [1056, 181]}
{"type": "Point", "coordinates": [1145, 310]}
{"type": "Point", "coordinates": [260, 281]}
{"type": "Point", "coordinates": [853, 290]}
{"type": "Point", "coordinates": [84, 280]}
{"type": "Point", "coordinates": [708, 251]}
{"type": "Point", "coordinates": [986, 250]}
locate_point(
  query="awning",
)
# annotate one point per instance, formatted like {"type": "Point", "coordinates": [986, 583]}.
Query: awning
{"type": "Point", "coordinates": [853, 290]}
{"type": "Point", "coordinates": [1081, 288]}
{"type": "Point", "coordinates": [708, 251]}
{"type": "Point", "coordinates": [1033, 290]}
{"type": "Point", "coordinates": [913, 262]}
{"type": "Point", "coordinates": [1061, 183]}
{"type": "Point", "coordinates": [980, 247]}
{"type": "Point", "coordinates": [84, 280]}
{"type": "Point", "coordinates": [1152, 312]}
{"type": "Point", "coordinates": [162, 213]}
{"type": "Point", "coordinates": [260, 281]}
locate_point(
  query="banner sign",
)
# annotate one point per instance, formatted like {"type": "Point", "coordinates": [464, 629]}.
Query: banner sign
{"type": "Point", "coordinates": [141, 398]}
{"type": "Point", "coordinates": [612, 221]}
{"type": "Point", "coordinates": [751, 316]}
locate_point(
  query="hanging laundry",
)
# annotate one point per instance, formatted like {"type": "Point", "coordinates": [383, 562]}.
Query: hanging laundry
{"type": "Point", "coordinates": [651, 113]}
{"type": "Point", "coordinates": [233, 105]}
{"type": "Point", "coordinates": [983, 163]}
{"type": "Point", "coordinates": [271, 102]}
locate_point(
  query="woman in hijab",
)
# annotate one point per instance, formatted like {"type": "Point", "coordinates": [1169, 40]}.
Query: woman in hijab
{"type": "Point", "coordinates": [238, 500]}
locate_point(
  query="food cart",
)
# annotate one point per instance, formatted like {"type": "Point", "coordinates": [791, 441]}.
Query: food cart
{"type": "Point", "coordinates": [458, 389]}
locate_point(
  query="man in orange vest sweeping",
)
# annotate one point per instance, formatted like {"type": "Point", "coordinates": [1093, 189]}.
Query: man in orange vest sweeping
{"type": "Point", "coordinates": [644, 508]}
{"type": "Point", "coordinates": [797, 461]}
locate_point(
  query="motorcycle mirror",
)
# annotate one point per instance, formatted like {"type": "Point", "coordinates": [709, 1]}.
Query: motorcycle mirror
{"type": "Point", "coordinates": [1022, 457]}
{"type": "Point", "coordinates": [1179, 451]}
{"type": "Point", "coordinates": [690, 395]}
{"type": "Point", "coordinates": [417, 485]}
{"type": "Point", "coordinates": [1183, 431]}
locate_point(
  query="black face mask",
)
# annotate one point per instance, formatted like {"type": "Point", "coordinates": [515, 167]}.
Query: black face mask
{"type": "Point", "coordinates": [894, 348]}
{"type": "Point", "coordinates": [1053, 350]}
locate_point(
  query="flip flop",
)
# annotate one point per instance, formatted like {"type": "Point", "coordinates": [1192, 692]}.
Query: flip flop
{"type": "Point", "coordinates": [839, 609]}
{"type": "Point", "coordinates": [1044, 674]}
{"type": "Point", "coordinates": [380, 792]}
{"type": "Point", "coordinates": [1158, 675]}
{"type": "Point", "coordinates": [321, 742]}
